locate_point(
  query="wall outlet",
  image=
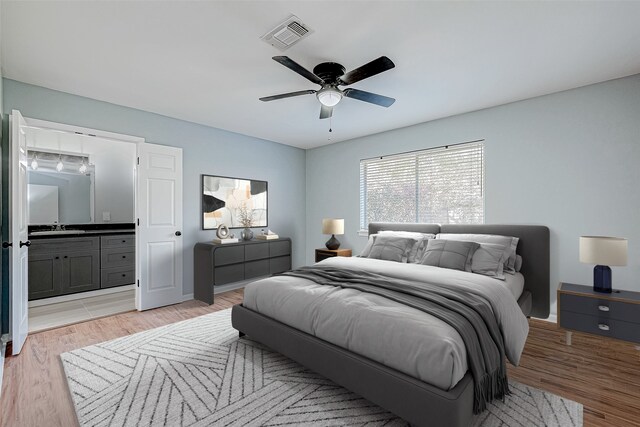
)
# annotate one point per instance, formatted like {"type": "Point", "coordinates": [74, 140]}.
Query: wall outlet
{"type": "Point", "coordinates": [106, 216]}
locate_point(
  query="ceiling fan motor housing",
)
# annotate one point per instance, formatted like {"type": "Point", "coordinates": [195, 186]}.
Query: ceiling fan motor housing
{"type": "Point", "coordinates": [329, 72]}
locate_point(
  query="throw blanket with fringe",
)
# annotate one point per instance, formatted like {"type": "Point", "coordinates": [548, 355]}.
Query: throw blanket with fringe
{"type": "Point", "coordinates": [468, 314]}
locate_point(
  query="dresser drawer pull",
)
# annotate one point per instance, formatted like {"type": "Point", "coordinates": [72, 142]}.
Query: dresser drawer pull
{"type": "Point", "coordinates": [603, 327]}
{"type": "Point", "coordinates": [603, 308]}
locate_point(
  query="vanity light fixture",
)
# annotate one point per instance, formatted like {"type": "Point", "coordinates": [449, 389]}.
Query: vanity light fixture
{"type": "Point", "coordinates": [83, 167]}
{"type": "Point", "coordinates": [60, 165]}
{"type": "Point", "coordinates": [34, 162]}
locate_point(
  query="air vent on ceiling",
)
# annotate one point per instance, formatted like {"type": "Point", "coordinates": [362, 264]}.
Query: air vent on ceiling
{"type": "Point", "coordinates": [287, 33]}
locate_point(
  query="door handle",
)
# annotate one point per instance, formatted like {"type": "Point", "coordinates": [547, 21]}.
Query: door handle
{"type": "Point", "coordinates": [27, 243]}
{"type": "Point", "coordinates": [178, 233]}
{"type": "Point", "coordinates": [5, 245]}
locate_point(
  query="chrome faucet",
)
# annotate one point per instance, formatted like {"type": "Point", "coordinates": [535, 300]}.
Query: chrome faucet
{"type": "Point", "coordinates": [58, 227]}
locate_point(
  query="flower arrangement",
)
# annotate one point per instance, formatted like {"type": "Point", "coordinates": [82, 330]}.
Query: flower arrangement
{"type": "Point", "coordinates": [245, 216]}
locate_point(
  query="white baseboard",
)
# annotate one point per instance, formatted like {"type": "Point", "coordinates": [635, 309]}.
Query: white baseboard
{"type": "Point", "coordinates": [231, 286]}
{"type": "Point", "coordinates": [3, 348]}
{"type": "Point", "coordinates": [553, 318]}
{"type": "Point", "coordinates": [187, 297]}
{"type": "Point", "coordinates": [81, 295]}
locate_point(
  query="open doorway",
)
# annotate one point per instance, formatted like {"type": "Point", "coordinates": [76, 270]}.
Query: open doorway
{"type": "Point", "coordinates": [81, 197]}
{"type": "Point", "coordinates": [157, 248]}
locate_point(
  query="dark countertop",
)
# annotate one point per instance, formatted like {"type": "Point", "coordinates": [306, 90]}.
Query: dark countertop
{"type": "Point", "coordinates": [83, 230]}
{"type": "Point", "coordinates": [80, 234]}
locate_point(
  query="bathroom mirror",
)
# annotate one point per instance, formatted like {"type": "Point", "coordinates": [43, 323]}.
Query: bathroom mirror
{"type": "Point", "coordinates": [60, 194]}
{"type": "Point", "coordinates": [94, 178]}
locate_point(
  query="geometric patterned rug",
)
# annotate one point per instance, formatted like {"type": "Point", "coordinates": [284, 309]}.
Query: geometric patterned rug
{"type": "Point", "coordinates": [199, 373]}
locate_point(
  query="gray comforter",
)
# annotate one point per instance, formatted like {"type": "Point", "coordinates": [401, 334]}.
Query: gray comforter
{"type": "Point", "coordinates": [470, 315]}
{"type": "Point", "coordinates": [387, 331]}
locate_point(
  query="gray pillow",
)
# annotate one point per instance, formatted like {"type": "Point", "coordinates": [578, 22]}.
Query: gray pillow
{"type": "Point", "coordinates": [518, 265]}
{"type": "Point", "coordinates": [449, 254]}
{"type": "Point", "coordinates": [488, 260]}
{"type": "Point", "coordinates": [391, 248]}
{"type": "Point", "coordinates": [415, 254]}
{"type": "Point", "coordinates": [508, 242]}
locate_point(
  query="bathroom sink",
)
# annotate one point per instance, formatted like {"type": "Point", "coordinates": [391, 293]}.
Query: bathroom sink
{"type": "Point", "coordinates": [55, 232]}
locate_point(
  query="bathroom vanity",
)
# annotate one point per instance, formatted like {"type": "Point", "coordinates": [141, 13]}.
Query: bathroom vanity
{"type": "Point", "coordinates": [63, 262]}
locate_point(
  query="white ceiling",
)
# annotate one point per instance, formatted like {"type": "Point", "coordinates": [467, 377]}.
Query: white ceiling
{"type": "Point", "coordinates": [204, 62]}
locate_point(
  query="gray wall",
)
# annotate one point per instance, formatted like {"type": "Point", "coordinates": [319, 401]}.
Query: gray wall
{"type": "Point", "coordinates": [570, 161]}
{"type": "Point", "coordinates": [205, 150]}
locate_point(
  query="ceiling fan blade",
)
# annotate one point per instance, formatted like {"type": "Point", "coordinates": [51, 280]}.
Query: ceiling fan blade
{"type": "Point", "coordinates": [374, 67]}
{"type": "Point", "coordinates": [294, 66]}
{"type": "Point", "coordinates": [373, 98]}
{"type": "Point", "coordinates": [325, 112]}
{"type": "Point", "coordinates": [287, 95]}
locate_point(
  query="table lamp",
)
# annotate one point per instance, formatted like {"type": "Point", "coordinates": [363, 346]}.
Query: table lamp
{"type": "Point", "coordinates": [332, 226]}
{"type": "Point", "coordinates": [603, 251]}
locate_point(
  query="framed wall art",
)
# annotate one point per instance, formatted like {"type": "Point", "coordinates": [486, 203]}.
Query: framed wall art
{"type": "Point", "coordinates": [234, 202]}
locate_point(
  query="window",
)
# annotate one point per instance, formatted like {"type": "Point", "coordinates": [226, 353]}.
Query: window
{"type": "Point", "coordinates": [443, 185]}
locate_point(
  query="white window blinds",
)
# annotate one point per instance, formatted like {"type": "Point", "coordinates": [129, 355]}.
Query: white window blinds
{"type": "Point", "coordinates": [442, 185]}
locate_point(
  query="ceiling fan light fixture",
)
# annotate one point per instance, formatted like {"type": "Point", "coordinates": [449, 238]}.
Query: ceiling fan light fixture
{"type": "Point", "coordinates": [329, 96]}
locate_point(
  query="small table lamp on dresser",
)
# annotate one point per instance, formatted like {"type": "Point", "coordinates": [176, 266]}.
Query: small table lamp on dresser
{"type": "Point", "coordinates": [332, 226]}
{"type": "Point", "coordinates": [603, 251]}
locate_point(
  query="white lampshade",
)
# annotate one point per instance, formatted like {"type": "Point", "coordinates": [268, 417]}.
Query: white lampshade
{"type": "Point", "coordinates": [603, 250]}
{"type": "Point", "coordinates": [329, 96]}
{"type": "Point", "coordinates": [332, 226]}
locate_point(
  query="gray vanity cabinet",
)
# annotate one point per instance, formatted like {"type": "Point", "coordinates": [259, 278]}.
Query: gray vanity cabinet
{"type": "Point", "coordinates": [45, 275]}
{"type": "Point", "coordinates": [63, 266]}
{"type": "Point", "coordinates": [118, 264]}
{"type": "Point", "coordinates": [80, 271]}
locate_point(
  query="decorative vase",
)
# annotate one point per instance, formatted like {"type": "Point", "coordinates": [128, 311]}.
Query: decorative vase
{"type": "Point", "coordinates": [246, 234]}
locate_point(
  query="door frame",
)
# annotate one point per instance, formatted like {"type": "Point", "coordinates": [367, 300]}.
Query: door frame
{"type": "Point", "coordinates": [44, 124]}
{"type": "Point", "coordinates": [72, 129]}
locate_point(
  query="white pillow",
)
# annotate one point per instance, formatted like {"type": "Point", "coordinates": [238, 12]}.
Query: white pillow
{"type": "Point", "coordinates": [367, 248]}
{"type": "Point", "coordinates": [509, 242]}
{"type": "Point", "coordinates": [416, 252]}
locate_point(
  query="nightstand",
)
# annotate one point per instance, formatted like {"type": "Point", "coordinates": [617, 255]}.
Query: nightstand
{"type": "Point", "coordinates": [615, 315]}
{"type": "Point", "coordinates": [329, 253]}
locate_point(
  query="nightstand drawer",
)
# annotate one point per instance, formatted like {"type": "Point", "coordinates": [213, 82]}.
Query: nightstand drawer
{"type": "Point", "coordinates": [601, 308]}
{"type": "Point", "coordinates": [600, 326]}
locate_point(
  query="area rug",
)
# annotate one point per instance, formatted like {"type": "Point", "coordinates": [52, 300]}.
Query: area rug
{"type": "Point", "coordinates": [199, 373]}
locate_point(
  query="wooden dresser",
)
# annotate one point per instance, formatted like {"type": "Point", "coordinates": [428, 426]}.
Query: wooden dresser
{"type": "Point", "coordinates": [615, 315]}
{"type": "Point", "coordinates": [221, 264]}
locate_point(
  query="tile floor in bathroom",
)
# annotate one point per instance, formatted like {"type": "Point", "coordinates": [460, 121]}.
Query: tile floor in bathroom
{"type": "Point", "coordinates": [69, 312]}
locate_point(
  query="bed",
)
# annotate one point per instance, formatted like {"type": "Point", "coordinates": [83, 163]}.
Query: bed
{"type": "Point", "coordinates": [443, 394]}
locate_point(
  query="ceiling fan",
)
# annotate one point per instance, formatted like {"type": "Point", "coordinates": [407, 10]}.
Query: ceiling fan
{"type": "Point", "coordinates": [330, 75]}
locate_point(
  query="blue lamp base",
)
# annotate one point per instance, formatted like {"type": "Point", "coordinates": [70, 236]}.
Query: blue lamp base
{"type": "Point", "coordinates": [602, 279]}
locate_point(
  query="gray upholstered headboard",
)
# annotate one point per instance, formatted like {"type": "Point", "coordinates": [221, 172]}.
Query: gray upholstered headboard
{"type": "Point", "coordinates": [533, 246]}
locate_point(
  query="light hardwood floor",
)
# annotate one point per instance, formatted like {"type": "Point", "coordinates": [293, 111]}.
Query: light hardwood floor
{"type": "Point", "coordinates": [602, 374]}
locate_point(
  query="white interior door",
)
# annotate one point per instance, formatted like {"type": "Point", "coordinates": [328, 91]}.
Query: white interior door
{"type": "Point", "coordinates": [18, 232]}
{"type": "Point", "coordinates": [158, 238]}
